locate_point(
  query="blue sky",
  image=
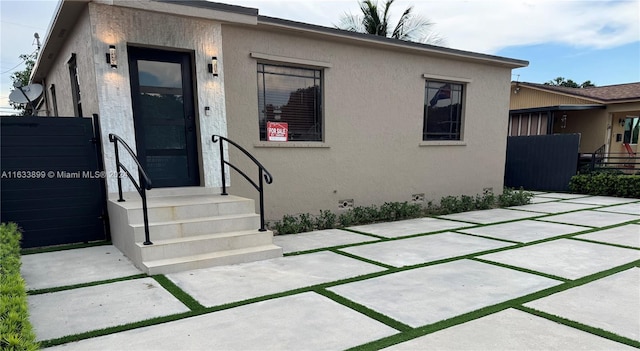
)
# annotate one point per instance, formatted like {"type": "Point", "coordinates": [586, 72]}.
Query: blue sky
{"type": "Point", "coordinates": [610, 66]}
{"type": "Point", "coordinates": [597, 40]}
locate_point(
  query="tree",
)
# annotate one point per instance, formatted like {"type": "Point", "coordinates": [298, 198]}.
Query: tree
{"type": "Point", "coordinates": [562, 82]}
{"type": "Point", "coordinates": [22, 78]}
{"type": "Point", "coordinates": [376, 20]}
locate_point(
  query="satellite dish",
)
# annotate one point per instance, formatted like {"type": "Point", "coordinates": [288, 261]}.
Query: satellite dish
{"type": "Point", "coordinates": [26, 94]}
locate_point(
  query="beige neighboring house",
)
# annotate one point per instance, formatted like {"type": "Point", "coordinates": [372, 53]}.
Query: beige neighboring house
{"type": "Point", "coordinates": [369, 119]}
{"type": "Point", "coordinates": [606, 116]}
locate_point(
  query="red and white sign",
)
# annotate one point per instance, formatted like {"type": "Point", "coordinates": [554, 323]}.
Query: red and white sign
{"type": "Point", "coordinates": [277, 131]}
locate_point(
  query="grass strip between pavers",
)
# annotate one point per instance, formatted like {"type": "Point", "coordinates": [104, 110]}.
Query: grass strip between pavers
{"type": "Point", "coordinates": [407, 332]}
{"type": "Point", "coordinates": [605, 243]}
{"type": "Point", "coordinates": [513, 303]}
{"type": "Point", "coordinates": [520, 269]}
{"type": "Point", "coordinates": [395, 324]}
{"type": "Point", "coordinates": [596, 331]}
{"type": "Point", "coordinates": [84, 285]}
{"type": "Point", "coordinates": [178, 293]}
{"type": "Point", "coordinates": [37, 250]}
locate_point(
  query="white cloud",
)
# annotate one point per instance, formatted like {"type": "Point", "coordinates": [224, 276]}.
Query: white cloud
{"type": "Point", "coordinates": [489, 25]}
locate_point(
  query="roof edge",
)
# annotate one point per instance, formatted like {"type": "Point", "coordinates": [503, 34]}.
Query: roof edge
{"type": "Point", "coordinates": [391, 42]}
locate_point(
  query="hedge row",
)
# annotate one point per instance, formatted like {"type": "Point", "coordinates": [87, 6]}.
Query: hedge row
{"type": "Point", "coordinates": [607, 184]}
{"type": "Point", "coordinates": [16, 332]}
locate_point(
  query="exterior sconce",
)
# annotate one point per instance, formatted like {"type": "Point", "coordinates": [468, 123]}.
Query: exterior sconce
{"type": "Point", "coordinates": [621, 122]}
{"type": "Point", "coordinates": [112, 59]}
{"type": "Point", "coordinates": [563, 121]}
{"type": "Point", "coordinates": [213, 66]}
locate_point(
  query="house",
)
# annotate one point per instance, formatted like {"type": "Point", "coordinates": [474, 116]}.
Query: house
{"type": "Point", "coordinates": [606, 116]}
{"type": "Point", "coordinates": [367, 119]}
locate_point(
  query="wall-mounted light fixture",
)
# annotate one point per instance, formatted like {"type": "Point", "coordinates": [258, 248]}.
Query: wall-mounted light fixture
{"type": "Point", "coordinates": [621, 122]}
{"type": "Point", "coordinates": [563, 121]}
{"type": "Point", "coordinates": [213, 66]}
{"type": "Point", "coordinates": [517, 89]}
{"type": "Point", "coordinates": [112, 58]}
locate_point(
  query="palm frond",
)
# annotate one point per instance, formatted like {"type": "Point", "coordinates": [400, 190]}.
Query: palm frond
{"type": "Point", "coordinates": [350, 22]}
{"type": "Point", "coordinates": [401, 28]}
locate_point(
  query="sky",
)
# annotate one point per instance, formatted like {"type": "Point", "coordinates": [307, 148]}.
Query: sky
{"type": "Point", "coordinates": [577, 39]}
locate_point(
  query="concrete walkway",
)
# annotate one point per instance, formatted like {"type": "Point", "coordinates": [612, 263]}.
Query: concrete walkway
{"type": "Point", "coordinates": [560, 274]}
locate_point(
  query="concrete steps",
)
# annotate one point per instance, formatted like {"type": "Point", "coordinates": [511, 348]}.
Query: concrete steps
{"type": "Point", "coordinates": [189, 229]}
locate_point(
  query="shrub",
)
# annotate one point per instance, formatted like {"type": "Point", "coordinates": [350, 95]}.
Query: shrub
{"type": "Point", "coordinates": [395, 211]}
{"type": "Point", "coordinates": [16, 332]}
{"type": "Point", "coordinates": [607, 184]}
{"type": "Point", "coordinates": [512, 197]}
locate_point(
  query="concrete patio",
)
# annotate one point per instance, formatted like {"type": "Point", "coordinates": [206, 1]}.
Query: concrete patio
{"type": "Point", "coordinates": [562, 273]}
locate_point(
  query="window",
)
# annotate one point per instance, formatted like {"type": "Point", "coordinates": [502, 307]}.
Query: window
{"type": "Point", "coordinates": [291, 95]}
{"type": "Point", "coordinates": [631, 130]}
{"type": "Point", "coordinates": [54, 100]}
{"type": "Point", "coordinates": [75, 86]}
{"type": "Point", "coordinates": [442, 111]}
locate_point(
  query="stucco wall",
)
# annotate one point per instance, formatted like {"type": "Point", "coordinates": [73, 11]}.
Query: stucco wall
{"type": "Point", "coordinates": [617, 112]}
{"type": "Point", "coordinates": [590, 124]}
{"type": "Point", "coordinates": [122, 27]}
{"type": "Point", "coordinates": [373, 118]}
{"type": "Point", "coordinates": [79, 42]}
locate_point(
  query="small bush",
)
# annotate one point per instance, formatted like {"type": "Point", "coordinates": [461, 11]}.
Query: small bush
{"type": "Point", "coordinates": [16, 332]}
{"type": "Point", "coordinates": [512, 197]}
{"type": "Point", "coordinates": [606, 184]}
{"type": "Point", "coordinates": [396, 211]}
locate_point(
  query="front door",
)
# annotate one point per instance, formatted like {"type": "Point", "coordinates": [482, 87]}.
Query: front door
{"type": "Point", "coordinates": [164, 116]}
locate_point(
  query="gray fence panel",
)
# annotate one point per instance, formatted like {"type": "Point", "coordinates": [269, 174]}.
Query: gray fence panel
{"type": "Point", "coordinates": [51, 185]}
{"type": "Point", "coordinates": [541, 162]}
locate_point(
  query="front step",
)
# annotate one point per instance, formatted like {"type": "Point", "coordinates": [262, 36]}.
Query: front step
{"type": "Point", "coordinates": [196, 230]}
{"type": "Point", "coordinates": [173, 265]}
{"type": "Point", "coordinates": [201, 244]}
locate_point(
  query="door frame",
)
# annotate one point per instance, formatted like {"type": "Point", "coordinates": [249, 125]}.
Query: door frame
{"type": "Point", "coordinates": [146, 52]}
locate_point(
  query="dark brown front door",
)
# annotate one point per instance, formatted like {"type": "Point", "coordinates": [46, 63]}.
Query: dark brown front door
{"type": "Point", "coordinates": [164, 116]}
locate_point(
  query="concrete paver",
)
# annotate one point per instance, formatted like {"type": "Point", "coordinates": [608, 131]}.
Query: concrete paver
{"type": "Point", "coordinates": [611, 303]}
{"type": "Point", "coordinates": [417, 297]}
{"type": "Point", "coordinates": [537, 199]}
{"type": "Point", "coordinates": [566, 258]}
{"type": "Point", "coordinates": [632, 208]}
{"type": "Point", "coordinates": [591, 218]}
{"type": "Point", "coordinates": [561, 195]}
{"type": "Point", "coordinates": [319, 239]}
{"type": "Point", "coordinates": [69, 312]}
{"type": "Point", "coordinates": [430, 294]}
{"type": "Point", "coordinates": [602, 200]}
{"type": "Point", "coordinates": [553, 207]}
{"type": "Point", "coordinates": [524, 231]}
{"type": "Point", "coordinates": [490, 216]}
{"type": "Point", "coordinates": [305, 321]}
{"type": "Point", "coordinates": [409, 227]}
{"type": "Point", "coordinates": [51, 269]}
{"type": "Point", "coordinates": [510, 330]}
{"type": "Point", "coordinates": [627, 235]}
{"type": "Point", "coordinates": [417, 250]}
{"type": "Point", "coordinates": [220, 285]}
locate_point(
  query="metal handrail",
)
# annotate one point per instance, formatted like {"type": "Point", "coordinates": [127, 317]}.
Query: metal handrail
{"type": "Point", "coordinates": [262, 173]}
{"type": "Point", "coordinates": [142, 187]}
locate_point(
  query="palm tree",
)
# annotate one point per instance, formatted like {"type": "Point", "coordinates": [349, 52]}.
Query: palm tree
{"type": "Point", "coordinates": [375, 20]}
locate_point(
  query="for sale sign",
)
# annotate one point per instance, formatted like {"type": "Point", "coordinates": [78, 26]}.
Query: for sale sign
{"type": "Point", "coordinates": [277, 131]}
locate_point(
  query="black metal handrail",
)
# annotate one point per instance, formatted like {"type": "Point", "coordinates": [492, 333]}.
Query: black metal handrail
{"type": "Point", "coordinates": [142, 187]}
{"type": "Point", "coordinates": [262, 173]}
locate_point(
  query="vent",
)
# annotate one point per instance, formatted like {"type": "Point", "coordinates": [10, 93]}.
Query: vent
{"type": "Point", "coordinates": [348, 203]}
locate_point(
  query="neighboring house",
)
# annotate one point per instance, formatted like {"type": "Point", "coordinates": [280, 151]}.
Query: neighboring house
{"type": "Point", "coordinates": [370, 119]}
{"type": "Point", "coordinates": [604, 116]}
